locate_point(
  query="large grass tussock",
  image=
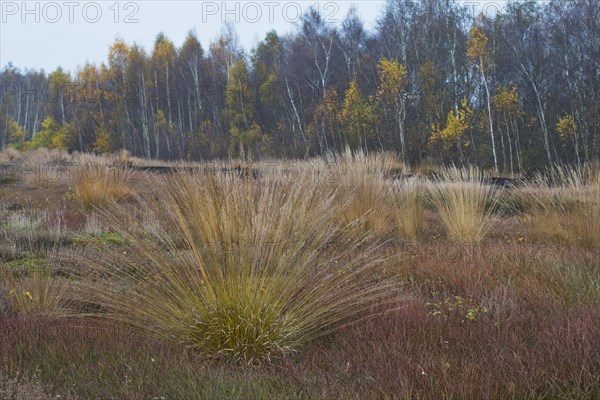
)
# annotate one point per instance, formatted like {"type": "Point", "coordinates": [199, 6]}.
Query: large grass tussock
{"type": "Point", "coordinates": [238, 271]}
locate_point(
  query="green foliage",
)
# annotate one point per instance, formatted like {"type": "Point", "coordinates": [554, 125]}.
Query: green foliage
{"type": "Point", "coordinates": [52, 136]}
{"type": "Point", "coordinates": [115, 238]}
{"type": "Point", "coordinates": [240, 97]}
{"type": "Point", "coordinates": [16, 133]}
{"type": "Point", "coordinates": [327, 119]}
{"type": "Point", "coordinates": [391, 96]}
{"type": "Point", "coordinates": [566, 128]}
{"type": "Point", "coordinates": [392, 77]}
{"type": "Point", "coordinates": [477, 46]}
{"type": "Point", "coordinates": [464, 309]}
{"type": "Point", "coordinates": [249, 139]}
{"type": "Point", "coordinates": [456, 125]}
{"type": "Point", "coordinates": [395, 83]}
{"type": "Point", "coordinates": [506, 101]}
{"type": "Point", "coordinates": [164, 49]}
{"type": "Point", "coordinates": [431, 105]}
{"type": "Point", "coordinates": [357, 117]}
{"type": "Point", "coordinates": [104, 142]}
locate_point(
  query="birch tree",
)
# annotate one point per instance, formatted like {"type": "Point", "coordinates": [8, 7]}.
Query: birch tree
{"type": "Point", "coordinates": [478, 53]}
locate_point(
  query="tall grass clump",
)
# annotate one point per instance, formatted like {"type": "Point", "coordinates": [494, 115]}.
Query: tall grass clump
{"type": "Point", "coordinates": [465, 203]}
{"type": "Point", "coordinates": [44, 156]}
{"type": "Point", "coordinates": [122, 159]}
{"type": "Point", "coordinates": [9, 155]}
{"type": "Point", "coordinates": [34, 292]}
{"type": "Point", "coordinates": [97, 184]}
{"type": "Point", "coordinates": [238, 271]}
{"type": "Point", "coordinates": [45, 176]}
{"type": "Point", "coordinates": [362, 180]}
{"type": "Point", "coordinates": [565, 205]}
{"type": "Point", "coordinates": [385, 163]}
{"type": "Point", "coordinates": [409, 210]}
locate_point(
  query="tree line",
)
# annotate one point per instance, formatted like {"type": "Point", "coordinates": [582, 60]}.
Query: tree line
{"type": "Point", "coordinates": [513, 91]}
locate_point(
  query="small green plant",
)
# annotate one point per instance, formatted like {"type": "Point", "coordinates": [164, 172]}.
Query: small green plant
{"type": "Point", "coordinates": [103, 238]}
{"type": "Point", "coordinates": [456, 306]}
{"type": "Point", "coordinates": [113, 238]}
{"type": "Point", "coordinates": [21, 222]}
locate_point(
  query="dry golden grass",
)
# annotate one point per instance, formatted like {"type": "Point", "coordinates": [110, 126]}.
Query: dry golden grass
{"type": "Point", "coordinates": [384, 163]}
{"type": "Point", "coordinates": [409, 211]}
{"type": "Point", "coordinates": [362, 179]}
{"type": "Point", "coordinates": [565, 205]}
{"type": "Point", "coordinates": [465, 203]}
{"type": "Point", "coordinates": [97, 184]}
{"type": "Point", "coordinates": [250, 268]}
{"type": "Point", "coordinates": [8, 155]}
{"type": "Point", "coordinates": [43, 157]}
{"type": "Point", "coordinates": [45, 176]}
{"type": "Point", "coordinates": [368, 209]}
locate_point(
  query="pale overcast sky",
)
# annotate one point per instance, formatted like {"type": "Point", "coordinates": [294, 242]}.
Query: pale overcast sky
{"type": "Point", "coordinates": [48, 34]}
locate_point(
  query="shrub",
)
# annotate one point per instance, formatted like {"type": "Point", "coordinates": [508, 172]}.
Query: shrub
{"type": "Point", "coordinates": [237, 271]}
{"type": "Point", "coordinates": [52, 136]}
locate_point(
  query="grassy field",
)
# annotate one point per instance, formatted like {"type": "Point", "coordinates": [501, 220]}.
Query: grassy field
{"type": "Point", "coordinates": [346, 277]}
